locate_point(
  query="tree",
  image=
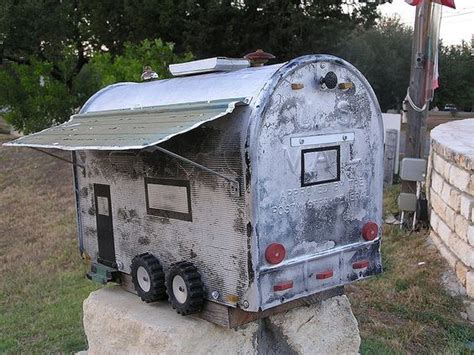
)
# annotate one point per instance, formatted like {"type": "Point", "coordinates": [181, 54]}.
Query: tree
{"type": "Point", "coordinates": [382, 54]}
{"type": "Point", "coordinates": [34, 99]}
{"type": "Point", "coordinates": [46, 45]}
{"type": "Point", "coordinates": [456, 70]}
{"type": "Point", "coordinates": [231, 28]}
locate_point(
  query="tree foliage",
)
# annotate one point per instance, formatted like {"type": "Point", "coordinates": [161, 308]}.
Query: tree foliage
{"type": "Point", "coordinates": [207, 28]}
{"type": "Point", "coordinates": [55, 54]}
{"type": "Point", "coordinates": [60, 52]}
{"type": "Point", "coordinates": [34, 99]}
{"type": "Point", "coordinates": [382, 54]}
{"type": "Point", "coordinates": [456, 76]}
{"type": "Point", "coordinates": [128, 65]}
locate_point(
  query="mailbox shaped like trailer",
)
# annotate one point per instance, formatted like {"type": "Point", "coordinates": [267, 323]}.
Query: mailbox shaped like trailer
{"type": "Point", "coordinates": [248, 187]}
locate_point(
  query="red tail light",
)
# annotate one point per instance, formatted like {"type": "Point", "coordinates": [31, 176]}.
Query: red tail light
{"type": "Point", "coordinates": [370, 230]}
{"type": "Point", "coordinates": [283, 286]}
{"type": "Point", "coordinates": [275, 253]}
{"type": "Point", "coordinates": [324, 275]}
{"type": "Point", "coordinates": [362, 264]}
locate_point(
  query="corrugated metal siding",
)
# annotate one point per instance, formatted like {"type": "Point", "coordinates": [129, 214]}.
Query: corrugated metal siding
{"type": "Point", "coordinates": [216, 239]}
{"type": "Point", "coordinates": [127, 129]}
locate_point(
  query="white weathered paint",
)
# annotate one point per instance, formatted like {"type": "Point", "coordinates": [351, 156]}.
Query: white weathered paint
{"type": "Point", "coordinates": [319, 225]}
{"type": "Point", "coordinates": [322, 139]}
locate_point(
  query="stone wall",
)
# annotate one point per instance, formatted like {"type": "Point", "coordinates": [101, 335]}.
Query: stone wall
{"type": "Point", "coordinates": [450, 189]}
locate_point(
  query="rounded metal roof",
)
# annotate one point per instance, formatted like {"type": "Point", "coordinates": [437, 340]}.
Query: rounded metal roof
{"type": "Point", "coordinates": [196, 88]}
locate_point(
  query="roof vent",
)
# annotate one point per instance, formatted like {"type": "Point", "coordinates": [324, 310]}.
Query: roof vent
{"type": "Point", "coordinates": [218, 64]}
{"type": "Point", "coordinates": [259, 58]}
{"type": "Point", "coordinates": [148, 74]}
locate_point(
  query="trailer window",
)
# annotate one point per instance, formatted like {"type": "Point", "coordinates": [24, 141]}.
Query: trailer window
{"type": "Point", "coordinates": [103, 205]}
{"type": "Point", "coordinates": [320, 165]}
{"type": "Point", "coordinates": [168, 198]}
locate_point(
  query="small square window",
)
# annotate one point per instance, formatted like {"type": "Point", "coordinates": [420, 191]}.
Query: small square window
{"type": "Point", "coordinates": [168, 198]}
{"type": "Point", "coordinates": [320, 165]}
{"type": "Point", "coordinates": [103, 205]}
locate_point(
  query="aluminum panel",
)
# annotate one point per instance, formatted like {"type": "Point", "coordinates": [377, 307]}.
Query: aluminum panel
{"type": "Point", "coordinates": [317, 175]}
{"type": "Point", "coordinates": [205, 87]}
{"type": "Point", "coordinates": [127, 129]}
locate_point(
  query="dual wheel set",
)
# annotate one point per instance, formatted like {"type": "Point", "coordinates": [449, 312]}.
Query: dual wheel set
{"type": "Point", "coordinates": [182, 285]}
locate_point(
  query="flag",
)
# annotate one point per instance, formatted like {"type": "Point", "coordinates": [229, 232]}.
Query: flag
{"type": "Point", "coordinates": [448, 3]}
{"type": "Point", "coordinates": [413, 2]}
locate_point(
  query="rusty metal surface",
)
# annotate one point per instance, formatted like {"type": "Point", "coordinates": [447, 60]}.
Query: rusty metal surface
{"type": "Point", "coordinates": [127, 129]}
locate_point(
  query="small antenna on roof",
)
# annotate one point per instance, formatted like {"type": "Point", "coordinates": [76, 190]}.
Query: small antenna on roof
{"type": "Point", "coordinates": [148, 74]}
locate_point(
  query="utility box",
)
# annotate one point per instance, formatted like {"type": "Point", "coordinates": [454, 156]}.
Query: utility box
{"type": "Point", "coordinates": [248, 188]}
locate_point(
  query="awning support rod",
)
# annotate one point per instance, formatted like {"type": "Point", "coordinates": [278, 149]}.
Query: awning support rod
{"type": "Point", "coordinates": [58, 157]}
{"type": "Point", "coordinates": [174, 155]}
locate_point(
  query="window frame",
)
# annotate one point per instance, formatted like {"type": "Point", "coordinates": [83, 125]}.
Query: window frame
{"type": "Point", "coordinates": [337, 148]}
{"type": "Point", "coordinates": [168, 213]}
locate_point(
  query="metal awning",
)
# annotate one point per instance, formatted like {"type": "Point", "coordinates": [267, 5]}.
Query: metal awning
{"type": "Point", "coordinates": [127, 129]}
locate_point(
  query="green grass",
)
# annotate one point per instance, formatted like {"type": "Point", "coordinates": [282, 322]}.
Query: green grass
{"type": "Point", "coordinates": [406, 309]}
{"type": "Point", "coordinates": [42, 286]}
{"type": "Point", "coordinates": [45, 314]}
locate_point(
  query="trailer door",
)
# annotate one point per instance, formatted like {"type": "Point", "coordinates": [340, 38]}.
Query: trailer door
{"type": "Point", "coordinates": [105, 234]}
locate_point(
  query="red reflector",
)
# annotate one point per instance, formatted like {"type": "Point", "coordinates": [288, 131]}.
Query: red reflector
{"type": "Point", "coordinates": [370, 231]}
{"type": "Point", "coordinates": [275, 253]}
{"type": "Point", "coordinates": [283, 286]}
{"type": "Point", "coordinates": [360, 264]}
{"type": "Point", "coordinates": [324, 275]}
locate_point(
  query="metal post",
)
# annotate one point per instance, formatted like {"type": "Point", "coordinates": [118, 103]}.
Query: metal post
{"type": "Point", "coordinates": [416, 118]}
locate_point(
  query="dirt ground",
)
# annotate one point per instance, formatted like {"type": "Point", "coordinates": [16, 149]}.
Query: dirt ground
{"type": "Point", "coordinates": [42, 284]}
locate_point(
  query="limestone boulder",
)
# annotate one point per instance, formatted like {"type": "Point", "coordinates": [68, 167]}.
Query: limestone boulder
{"type": "Point", "coordinates": [118, 322]}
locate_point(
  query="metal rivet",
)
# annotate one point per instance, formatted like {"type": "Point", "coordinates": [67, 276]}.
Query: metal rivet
{"type": "Point", "coordinates": [246, 304]}
{"type": "Point", "coordinates": [215, 294]}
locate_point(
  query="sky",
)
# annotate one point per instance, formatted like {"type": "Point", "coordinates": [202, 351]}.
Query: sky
{"type": "Point", "coordinates": [456, 24]}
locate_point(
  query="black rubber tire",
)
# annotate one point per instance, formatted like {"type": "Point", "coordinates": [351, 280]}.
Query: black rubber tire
{"type": "Point", "coordinates": [156, 275]}
{"type": "Point", "coordinates": [194, 288]}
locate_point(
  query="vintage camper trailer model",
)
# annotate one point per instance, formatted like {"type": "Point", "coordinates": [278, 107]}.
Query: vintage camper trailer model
{"type": "Point", "coordinates": [235, 185]}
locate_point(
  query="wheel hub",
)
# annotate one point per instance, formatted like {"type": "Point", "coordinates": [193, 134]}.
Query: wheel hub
{"type": "Point", "coordinates": [179, 289]}
{"type": "Point", "coordinates": [143, 279]}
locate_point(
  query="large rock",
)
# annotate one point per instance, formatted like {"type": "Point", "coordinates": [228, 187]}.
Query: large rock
{"type": "Point", "coordinates": [116, 321]}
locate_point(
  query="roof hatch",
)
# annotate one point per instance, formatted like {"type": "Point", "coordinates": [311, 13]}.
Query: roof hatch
{"type": "Point", "coordinates": [209, 65]}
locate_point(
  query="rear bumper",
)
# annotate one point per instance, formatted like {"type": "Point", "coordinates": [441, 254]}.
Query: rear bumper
{"type": "Point", "coordinates": [303, 276]}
